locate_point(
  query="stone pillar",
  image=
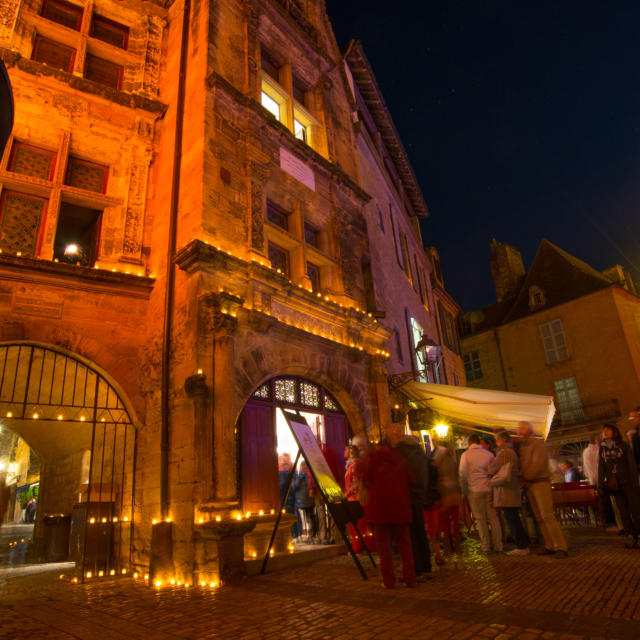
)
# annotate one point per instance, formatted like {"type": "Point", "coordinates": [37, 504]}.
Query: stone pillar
{"type": "Point", "coordinates": [225, 485]}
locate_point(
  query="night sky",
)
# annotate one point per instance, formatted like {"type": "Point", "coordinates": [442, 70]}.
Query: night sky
{"type": "Point", "coordinates": [521, 121]}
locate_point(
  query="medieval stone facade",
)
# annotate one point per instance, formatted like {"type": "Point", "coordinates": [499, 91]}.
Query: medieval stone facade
{"type": "Point", "coordinates": [186, 212]}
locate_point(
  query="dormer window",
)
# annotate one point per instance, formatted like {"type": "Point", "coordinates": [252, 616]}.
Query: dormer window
{"type": "Point", "coordinates": [536, 297]}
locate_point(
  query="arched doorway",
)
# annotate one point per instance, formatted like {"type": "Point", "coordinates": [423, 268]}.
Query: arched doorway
{"type": "Point", "coordinates": [265, 435]}
{"type": "Point", "coordinates": [80, 427]}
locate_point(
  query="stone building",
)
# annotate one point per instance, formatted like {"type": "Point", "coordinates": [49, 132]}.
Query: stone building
{"type": "Point", "coordinates": [562, 329]}
{"type": "Point", "coordinates": [185, 251]}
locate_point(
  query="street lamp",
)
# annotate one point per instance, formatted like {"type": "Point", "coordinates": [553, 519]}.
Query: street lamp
{"type": "Point", "coordinates": [428, 353]}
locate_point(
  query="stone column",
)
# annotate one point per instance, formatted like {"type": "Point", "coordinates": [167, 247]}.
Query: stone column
{"type": "Point", "coordinates": [225, 485]}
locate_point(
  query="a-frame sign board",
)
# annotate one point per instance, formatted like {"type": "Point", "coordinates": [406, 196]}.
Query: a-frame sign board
{"type": "Point", "coordinates": [342, 511]}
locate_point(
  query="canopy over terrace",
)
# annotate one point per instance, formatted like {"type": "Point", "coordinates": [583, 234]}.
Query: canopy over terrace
{"type": "Point", "coordinates": [468, 406]}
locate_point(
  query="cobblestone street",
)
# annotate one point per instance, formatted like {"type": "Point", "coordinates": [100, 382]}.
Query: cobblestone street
{"type": "Point", "coordinates": [595, 593]}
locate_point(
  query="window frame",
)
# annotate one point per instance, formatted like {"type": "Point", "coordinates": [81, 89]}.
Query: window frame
{"type": "Point", "coordinates": [74, 8]}
{"type": "Point", "coordinates": [43, 217]}
{"type": "Point", "coordinates": [551, 344]}
{"type": "Point", "coordinates": [75, 159]}
{"type": "Point", "coordinates": [287, 254]}
{"type": "Point", "coordinates": [17, 144]}
{"type": "Point", "coordinates": [472, 366]}
{"type": "Point", "coordinates": [40, 39]}
{"type": "Point", "coordinates": [117, 27]}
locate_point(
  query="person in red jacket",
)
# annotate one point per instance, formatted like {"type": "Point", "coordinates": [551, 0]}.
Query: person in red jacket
{"type": "Point", "coordinates": [386, 478]}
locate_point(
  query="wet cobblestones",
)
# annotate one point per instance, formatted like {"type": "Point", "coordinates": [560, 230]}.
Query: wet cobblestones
{"type": "Point", "coordinates": [595, 593]}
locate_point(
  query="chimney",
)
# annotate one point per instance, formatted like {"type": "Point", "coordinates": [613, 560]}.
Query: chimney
{"type": "Point", "coordinates": [507, 269]}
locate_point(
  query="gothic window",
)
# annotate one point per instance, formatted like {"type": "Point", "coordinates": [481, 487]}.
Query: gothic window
{"type": "Point", "coordinates": [553, 340]}
{"type": "Point", "coordinates": [103, 72]}
{"type": "Point", "coordinates": [109, 31]}
{"type": "Point", "coordinates": [329, 404]}
{"type": "Point", "coordinates": [279, 259]}
{"type": "Point", "coordinates": [53, 54]}
{"type": "Point", "coordinates": [263, 392]}
{"type": "Point", "coordinates": [313, 271]}
{"type": "Point", "coordinates": [277, 216]}
{"type": "Point", "coordinates": [311, 235]}
{"type": "Point", "coordinates": [86, 175]}
{"type": "Point", "coordinates": [32, 161]}
{"type": "Point", "coordinates": [63, 13]}
{"type": "Point", "coordinates": [286, 106]}
{"type": "Point", "coordinates": [21, 217]}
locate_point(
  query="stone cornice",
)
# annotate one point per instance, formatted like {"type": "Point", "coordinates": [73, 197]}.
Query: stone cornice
{"type": "Point", "coordinates": [129, 100]}
{"type": "Point", "coordinates": [69, 276]}
{"type": "Point", "coordinates": [218, 82]}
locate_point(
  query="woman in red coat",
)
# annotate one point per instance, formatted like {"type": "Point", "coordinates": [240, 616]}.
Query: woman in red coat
{"type": "Point", "coordinates": [386, 479]}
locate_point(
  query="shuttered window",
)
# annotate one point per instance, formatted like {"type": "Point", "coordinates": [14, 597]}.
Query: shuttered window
{"type": "Point", "coordinates": [54, 54]}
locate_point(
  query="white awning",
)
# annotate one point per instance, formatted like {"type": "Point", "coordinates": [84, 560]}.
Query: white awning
{"type": "Point", "coordinates": [483, 407]}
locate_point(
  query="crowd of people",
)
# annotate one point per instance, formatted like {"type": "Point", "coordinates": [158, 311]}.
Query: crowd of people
{"type": "Point", "coordinates": [417, 501]}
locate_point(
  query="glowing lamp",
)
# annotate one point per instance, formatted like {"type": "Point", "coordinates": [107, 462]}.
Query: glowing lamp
{"type": "Point", "coordinates": [442, 430]}
{"type": "Point", "coordinates": [71, 250]}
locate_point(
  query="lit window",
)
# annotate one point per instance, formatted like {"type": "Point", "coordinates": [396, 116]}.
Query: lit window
{"type": "Point", "coordinates": [285, 390]}
{"type": "Point", "coordinates": [309, 394]}
{"type": "Point", "coordinates": [53, 54]}
{"type": "Point", "coordinates": [109, 31]}
{"type": "Point", "coordinates": [21, 216]}
{"type": "Point", "coordinates": [329, 404]}
{"type": "Point", "coordinates": [63, 13]}
{"type": "Point", "coordinates": [299, 130]}
{"type": "Point", "coordinates": [472, 366]}
{"type": "Point", "coordinates": [32, 161]}
{"type": "Point", "coordinates": [555, 345]}
{"type": "Point", "coordinates": [271, 105]}
{"type": "Point", "coordinates": [77, 235]}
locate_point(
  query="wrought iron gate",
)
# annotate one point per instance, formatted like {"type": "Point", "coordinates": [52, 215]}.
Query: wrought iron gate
{"type": "Point", "coordinates": [45, 391]}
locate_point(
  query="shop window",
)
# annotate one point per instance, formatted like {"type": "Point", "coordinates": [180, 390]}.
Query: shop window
{"type": "Point", "coordinates": [86, 175]}
{"type": "Point", "coordinates": [472, 366]}
{"type": "Point", "coordinates": [279, 259]}
{"type": "Point", "coordinates": [314, 275]}
{"type": "Point", "coordinates": [309, 394]}
{"type": "Point", "coordinates": [21, 217]}
{"type": "Point", "coordinates": [32, 161]}
{"type": "Point", "coordinates": [277, 216]}
{"type": "Point", "coordinates": [63, 13]}
{"type": "Point", "coordinates": [77, 235]}
{"type": "Point", "coordinates": [53, 54]}
{"type": "Point", "coordinates": [285, 390]}
{"type": "Point", "coordinates": [311, 235]}
{"type": "Point", "coordinates": [103, 72]}
{"type": "Point", "coordinates": [109, 31]}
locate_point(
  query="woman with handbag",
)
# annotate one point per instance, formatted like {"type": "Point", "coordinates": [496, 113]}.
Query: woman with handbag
{"type": "Point", "coordinates": [507, 493]}
{"type": "Point", "coordinates": [618, 477]}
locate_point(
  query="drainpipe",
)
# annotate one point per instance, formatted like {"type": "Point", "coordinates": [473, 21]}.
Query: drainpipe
{"type": "Point", "coordinates": [170, 276]}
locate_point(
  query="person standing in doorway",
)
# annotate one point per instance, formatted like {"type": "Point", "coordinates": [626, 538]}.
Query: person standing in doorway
{"type": "Point", "coordinates": [534, 474]}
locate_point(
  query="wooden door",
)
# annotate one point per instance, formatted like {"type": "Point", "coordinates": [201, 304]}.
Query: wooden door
{"type": "Point", "coordinates": [335, 429]}
{"type": "Point", "coordinates": [259, 459]}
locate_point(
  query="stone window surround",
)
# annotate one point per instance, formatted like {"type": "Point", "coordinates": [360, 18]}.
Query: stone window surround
{"type": "Point", "coordinates": [82, 42]}
{"type": "Point", "coordinates": [300, 252]}
{"type": "Point", "coordinates": [54, 190]}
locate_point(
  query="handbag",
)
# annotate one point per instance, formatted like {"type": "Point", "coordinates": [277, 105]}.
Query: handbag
{"type": "Point", "coordinates": [502, 477]}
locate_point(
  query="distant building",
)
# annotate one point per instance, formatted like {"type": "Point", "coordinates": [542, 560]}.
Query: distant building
{"type": "Point", "coordinates": [561, 329]}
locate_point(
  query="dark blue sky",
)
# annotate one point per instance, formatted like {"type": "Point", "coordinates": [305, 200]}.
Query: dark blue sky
{"type": "Point", "coordinates": [521, 120]}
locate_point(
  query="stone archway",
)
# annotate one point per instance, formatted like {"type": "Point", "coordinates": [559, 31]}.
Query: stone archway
{"type": "Point", "coordinates": [81, 425]}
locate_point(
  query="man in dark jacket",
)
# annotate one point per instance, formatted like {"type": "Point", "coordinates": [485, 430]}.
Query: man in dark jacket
{"type": "Point", "coordinates": [409, 448]}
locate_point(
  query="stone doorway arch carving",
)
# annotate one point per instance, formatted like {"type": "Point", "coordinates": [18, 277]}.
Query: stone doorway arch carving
{"type": "Point", "coordinates": [64, 406]}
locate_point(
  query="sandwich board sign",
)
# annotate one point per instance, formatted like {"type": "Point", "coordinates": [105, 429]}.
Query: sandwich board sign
{"type": "Point", "coordinates": [341, 510]}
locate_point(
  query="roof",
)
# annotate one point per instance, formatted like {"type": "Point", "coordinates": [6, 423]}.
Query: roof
{"type": "Point", "coordinates": [370, 91]}
{"type": "Point", "coordinates": [561, 276]}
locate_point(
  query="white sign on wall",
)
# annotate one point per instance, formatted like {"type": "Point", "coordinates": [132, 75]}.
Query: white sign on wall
{"type": "Point", "coordinates": [297, 168]}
